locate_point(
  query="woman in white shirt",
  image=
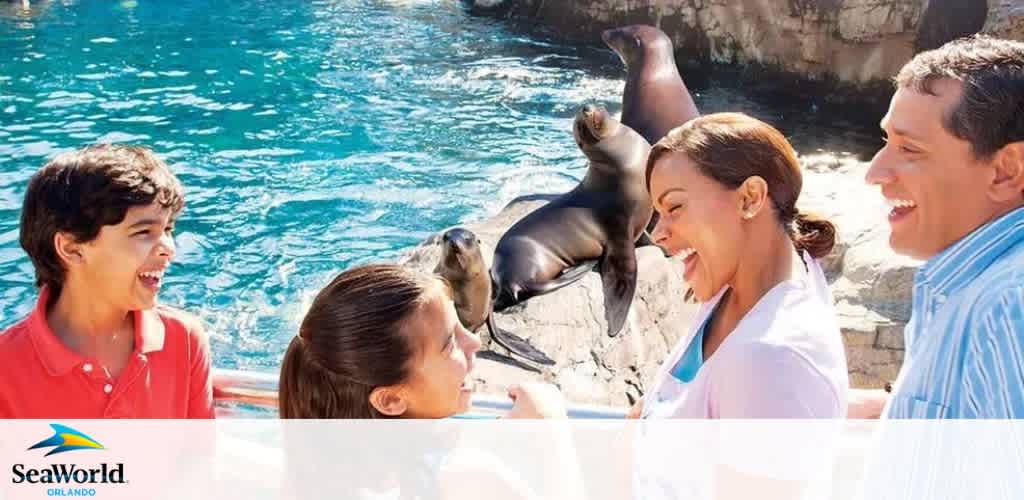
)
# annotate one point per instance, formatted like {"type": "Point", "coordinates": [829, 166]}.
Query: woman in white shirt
{"type": "Point", "coordinates": [765, 342]}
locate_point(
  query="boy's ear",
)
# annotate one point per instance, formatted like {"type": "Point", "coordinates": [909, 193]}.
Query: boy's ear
{"type": "Point", "coordinates": [69, 250]}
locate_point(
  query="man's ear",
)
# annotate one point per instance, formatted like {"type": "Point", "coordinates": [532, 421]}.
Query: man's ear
{"type": "Point", "coordinates": [68, 249]}
{"type": "Point", "coordinates": [1008, 181]}
{"type": "Point", "coordinates": [389, 400]}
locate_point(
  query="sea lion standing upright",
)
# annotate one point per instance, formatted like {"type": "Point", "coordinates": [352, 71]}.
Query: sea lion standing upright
{"type": "Point", "coordinates": [462, 266]}
{"type": "Point", "coordinates": [655, 99]}
{"type": "Point", "coordinates": [600, 220]}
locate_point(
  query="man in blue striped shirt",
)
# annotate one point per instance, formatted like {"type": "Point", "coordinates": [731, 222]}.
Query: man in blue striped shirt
{"type": "Point", "coordinates": [953, 171]}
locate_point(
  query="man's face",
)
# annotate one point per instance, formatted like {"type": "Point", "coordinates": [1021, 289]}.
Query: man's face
{"type": "Point", "coordinates": [935, 185]}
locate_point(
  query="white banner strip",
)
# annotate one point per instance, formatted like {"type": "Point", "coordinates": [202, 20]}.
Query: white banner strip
{"type": "Point", "coordinates": [497, 459]}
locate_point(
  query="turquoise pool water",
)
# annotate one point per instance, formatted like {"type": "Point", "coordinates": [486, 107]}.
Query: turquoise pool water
{"type": "Point", "coordinates": [310, 135]}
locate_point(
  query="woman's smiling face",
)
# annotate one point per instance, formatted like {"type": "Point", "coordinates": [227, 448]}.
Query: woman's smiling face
{"type": "Point", "coordinates": [699, 222]}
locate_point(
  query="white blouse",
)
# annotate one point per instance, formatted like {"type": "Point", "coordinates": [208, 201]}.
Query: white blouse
{"type": "Point", "coordinates": [785, 359]}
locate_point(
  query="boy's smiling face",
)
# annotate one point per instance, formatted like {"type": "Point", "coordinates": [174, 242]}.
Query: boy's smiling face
{"type": "Point", "coordinates": [125, 264]}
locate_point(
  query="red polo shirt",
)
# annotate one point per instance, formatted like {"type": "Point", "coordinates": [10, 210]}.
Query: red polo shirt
{"type": "Point", "coordinates": [168, 375]}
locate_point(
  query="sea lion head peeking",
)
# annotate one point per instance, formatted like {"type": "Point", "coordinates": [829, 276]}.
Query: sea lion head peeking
{"type": "Point", "coordinates": [460, 254]}
{"type": "Point", "coordinates": [638, 43]}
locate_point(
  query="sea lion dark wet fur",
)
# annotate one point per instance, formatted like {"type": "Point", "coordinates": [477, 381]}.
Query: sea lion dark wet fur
{"type": "Point", "coordinates": [462, 266]}
{"type": "Point", "coordinates": [655, 99]}
{"type": "Point", "coordinates": [598, 222]}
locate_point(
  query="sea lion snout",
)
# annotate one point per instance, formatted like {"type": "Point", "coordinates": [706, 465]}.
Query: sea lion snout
{"type": "Point", "coordinates": [623, 41]}
{"type": "Point", "coordinates": [458, 239]}
{"type": "Point", "coordinates": [609, 36]}
{"type": "Point", "coordinates": [592, 124]}
{"type": "Point", "coordinates": [620, 39]}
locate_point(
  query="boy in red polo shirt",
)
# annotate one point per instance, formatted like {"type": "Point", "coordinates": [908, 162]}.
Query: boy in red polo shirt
{"type": "Point", "coordinates": [97, 225]}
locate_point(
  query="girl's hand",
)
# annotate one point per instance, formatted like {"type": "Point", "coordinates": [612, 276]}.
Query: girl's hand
{"type": "Point", "coordinates": [536, 400]}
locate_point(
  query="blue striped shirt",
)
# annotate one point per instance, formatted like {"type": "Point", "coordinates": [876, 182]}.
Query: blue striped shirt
{"type": "Point", "coordinates": [964, 343]}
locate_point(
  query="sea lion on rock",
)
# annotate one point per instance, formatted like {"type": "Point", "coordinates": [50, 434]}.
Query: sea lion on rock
{"type": "Point", "coordinates": [598, 221]}
{"type": "Point", "coordinates": [655, 99]}
{"type": "Point", "coordinates": [462, 266]}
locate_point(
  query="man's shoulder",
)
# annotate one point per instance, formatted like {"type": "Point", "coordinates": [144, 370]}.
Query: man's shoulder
{"type": "Point", "coordinates": [1002, 303]}
{"type": "Point", "coordinates": [1009, 267]}
{"type": "Point", "coordinates": [1000, 284]}
{"type": "Point", "coordinates": [994, 314]}
{"type": "Point", "coordinates": [1003, 286]}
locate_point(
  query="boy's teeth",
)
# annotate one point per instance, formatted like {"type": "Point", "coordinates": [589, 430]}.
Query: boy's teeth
{"type": "Point", "coordinates": [152, 274]}
{"type": "Point", "coordinates": [686, 252]}
{"type": "Point", "coordinates": [901, 203]}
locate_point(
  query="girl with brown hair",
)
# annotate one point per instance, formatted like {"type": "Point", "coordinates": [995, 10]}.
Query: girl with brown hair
{"type": "Point", "coordinates": [384, 341]}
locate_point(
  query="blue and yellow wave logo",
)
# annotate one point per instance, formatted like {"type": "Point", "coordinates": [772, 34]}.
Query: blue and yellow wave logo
{"type": "Point", "coordinates": [67, 439]}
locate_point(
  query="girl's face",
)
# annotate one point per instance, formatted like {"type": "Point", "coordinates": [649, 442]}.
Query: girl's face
{"type": "Point", "coordinates": [439, 385]}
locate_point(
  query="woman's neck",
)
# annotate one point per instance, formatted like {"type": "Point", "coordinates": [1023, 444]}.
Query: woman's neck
{"type": "Point", "coordinates": [770, 259]}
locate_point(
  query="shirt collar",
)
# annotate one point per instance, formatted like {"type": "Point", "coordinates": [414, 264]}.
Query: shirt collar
{"type": "Point", "coordinates": [59, 360]}
{"type": "Point", "coordinates": [955, 267]}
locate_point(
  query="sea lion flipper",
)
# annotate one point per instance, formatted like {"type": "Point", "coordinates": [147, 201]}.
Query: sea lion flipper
{"type": "Point", "coordinates": [569, 276]}
{"type": "Point", "coordinates": [516, 344]}
{"type": "Point", "coordinates": [618, 275]}
{"type": "Point", "coordinates": [574, 273]}
{"type": "Point", "coordinates": [528, 290]}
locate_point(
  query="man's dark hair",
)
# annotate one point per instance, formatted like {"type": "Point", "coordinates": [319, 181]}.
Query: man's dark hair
{"type": "Point", "coordinates": [79, 192]}
{"type": "Point", "coordinates": [990, 113]}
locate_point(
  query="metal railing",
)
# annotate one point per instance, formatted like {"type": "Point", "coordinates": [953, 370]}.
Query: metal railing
{"type": "Point", "coordinates": [259, 389]}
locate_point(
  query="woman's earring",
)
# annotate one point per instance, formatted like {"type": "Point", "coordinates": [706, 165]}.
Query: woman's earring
{"type": "Point", "coordinates": [748, 215]}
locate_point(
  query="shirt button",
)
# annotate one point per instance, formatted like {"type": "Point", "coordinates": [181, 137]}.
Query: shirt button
{"type": "Point", "coordinates": [87, 368]}
{"type": "Point", "coordinates": [108, 388]}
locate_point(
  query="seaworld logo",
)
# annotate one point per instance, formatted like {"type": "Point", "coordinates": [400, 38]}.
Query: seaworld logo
{"type": "Point", "coordinates": [63, 440]}
{"type": "Point", "coordinates": [66, 439]}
